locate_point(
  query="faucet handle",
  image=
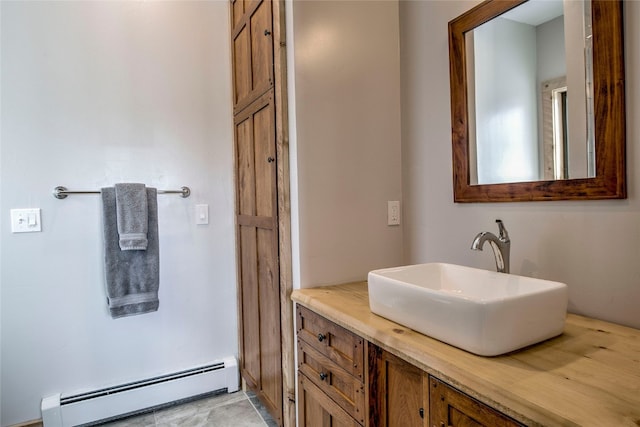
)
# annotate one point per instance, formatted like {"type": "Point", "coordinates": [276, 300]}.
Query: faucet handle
{"type": "Point", "coordinates": [504, 235]}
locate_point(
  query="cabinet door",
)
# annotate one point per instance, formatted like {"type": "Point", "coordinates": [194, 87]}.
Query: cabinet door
{"type": "Point", "coordinates": [316, 409]}
{"type": "Point", "coordinates": [257, 240]}
{"type": "Point", "coordinates": [398, 391]}
{"type": "Point", "coordinates": [452, 408]}
{"type": "Point", "coordinates": [252, 51]}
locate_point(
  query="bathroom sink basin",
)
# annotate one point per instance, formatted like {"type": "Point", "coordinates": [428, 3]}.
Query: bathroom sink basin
{"type": "Point", "coordinates": [480, 311]}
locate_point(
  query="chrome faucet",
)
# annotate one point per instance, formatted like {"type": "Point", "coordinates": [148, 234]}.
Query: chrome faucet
{"type": "Point", "coordinates": [501, 246]}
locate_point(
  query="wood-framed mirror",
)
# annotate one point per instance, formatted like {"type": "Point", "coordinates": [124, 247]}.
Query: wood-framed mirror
{"type": "Point", "coordinates": [607, 179]}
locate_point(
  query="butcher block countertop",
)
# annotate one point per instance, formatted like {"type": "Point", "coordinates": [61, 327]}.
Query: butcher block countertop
{"type": "Point", "coordinates": [588, 376]}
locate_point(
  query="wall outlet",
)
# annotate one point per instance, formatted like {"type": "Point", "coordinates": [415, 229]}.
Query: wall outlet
{"type": "Point", "coordinates": [393, 212]}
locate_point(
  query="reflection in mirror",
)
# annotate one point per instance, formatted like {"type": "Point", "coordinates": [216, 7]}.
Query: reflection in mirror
{"type": "Point", "coordinates": [528, 73]}
{"type": "Point", "coordinates": [559, 134]}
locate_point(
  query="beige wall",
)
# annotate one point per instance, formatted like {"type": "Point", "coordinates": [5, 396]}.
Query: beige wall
{"type": "Point", "coordinates": [593, 246]}
{"type": "Point", "coordinates": [344, 142]}
{"type": "Point", "coordinates": [344, 73]}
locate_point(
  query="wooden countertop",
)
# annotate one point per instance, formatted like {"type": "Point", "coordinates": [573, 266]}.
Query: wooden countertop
{"type": "Point", "coordinates": [588, 376]}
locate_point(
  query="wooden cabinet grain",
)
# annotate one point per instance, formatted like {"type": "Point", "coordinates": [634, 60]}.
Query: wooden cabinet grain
{"type": "Point", "coordinates": [398, 391]}
{"type": "Point", "coordinates": [345, 381]}
{"type": "Point", "coordinates": [257, 245]}
{"type": "Point", "coordinates": [452, 408]}
{"type": "Point", "coordinates": [265, 360]}
{"type": "Point", "coordinates": [316, 409]}
{"type": "Point", "coordinates": [252, 50]}
{"type": "Point", "coordinates": [330, 373]}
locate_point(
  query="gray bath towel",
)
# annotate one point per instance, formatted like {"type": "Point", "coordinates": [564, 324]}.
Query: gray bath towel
{"type": "Point", "coordinates": [132, 214]}
{"type": "Point", "coordinates": [132, 277]}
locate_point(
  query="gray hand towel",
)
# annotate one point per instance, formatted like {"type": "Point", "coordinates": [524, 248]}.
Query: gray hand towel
{"type": "Point", "coordinates": [132, 277]}
{"type": "Point", "coordinates": [132, 216]}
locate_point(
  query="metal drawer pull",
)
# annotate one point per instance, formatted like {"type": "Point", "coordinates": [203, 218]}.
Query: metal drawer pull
{"type": "Point", "coordinates": [321, 337]}
{"type": "Point", "coordinates": [323, 376]}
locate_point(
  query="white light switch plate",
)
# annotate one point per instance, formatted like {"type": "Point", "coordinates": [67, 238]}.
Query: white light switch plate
{"type": "Point", "coordinates": [25, 220]}
{"type": "Point", "coordinates": [202, 214]}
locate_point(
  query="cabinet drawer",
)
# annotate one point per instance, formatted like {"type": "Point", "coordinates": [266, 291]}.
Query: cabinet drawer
{"type": "Point", "coordinates": [346, 390]}
{"type": "Point", "coordinates": [339, 345]}
{"type": "Point", "coordinates": [451, 407]}
{"type": "Point", "coordinates": [316, 409]}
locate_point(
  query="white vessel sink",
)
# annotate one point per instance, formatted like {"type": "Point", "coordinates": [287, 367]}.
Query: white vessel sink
{"type": "Point", "coordinates": [480, 311]}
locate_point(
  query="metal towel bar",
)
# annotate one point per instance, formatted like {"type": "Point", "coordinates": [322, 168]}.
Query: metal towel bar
{"type": "Point", "coordinates": [62, 192]}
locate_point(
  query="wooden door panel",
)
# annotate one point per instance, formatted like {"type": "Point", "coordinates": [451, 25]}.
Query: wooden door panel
{"type": "Point", "coordinates": [268, 277]}
{"type": "Point", "coordinates": [261, 48]}
{"type": "Point", "coordinates": [264, 160]}
{"type": "Point", "coordinates": [250, 321]}
{"type": "Point", "coordinates": [242, 65]}
{"type": "Point", "coordinates": [237, 10]}
{"type": "Point", "coordinates": [398, 391]}
{"type": "Point", "coordinates": [245, 167]}
{"type": "Point", "coordinates": [252, 51]}
{"type": "Point", "coordinates": [404, 393]}
{"type": "Point", "coordinates": [256, 219]}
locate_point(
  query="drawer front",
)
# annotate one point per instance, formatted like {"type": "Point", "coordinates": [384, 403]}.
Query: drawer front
{"type": "Point", "coordinates": [451, 407]}
{"type": "Point", "coordinates": [346, 390]}
{"type": "Point", "coordinates": [335, 342]}
{"type": "Point", "coordinates": [316, 409]}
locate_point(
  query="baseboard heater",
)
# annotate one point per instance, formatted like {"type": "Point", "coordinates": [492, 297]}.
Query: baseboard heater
{"type": "Point", "coordinates": [84, 408]}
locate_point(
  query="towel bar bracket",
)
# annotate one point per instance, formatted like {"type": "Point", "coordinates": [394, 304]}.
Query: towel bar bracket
{"type": "Point", "coordinates": [61, 192]}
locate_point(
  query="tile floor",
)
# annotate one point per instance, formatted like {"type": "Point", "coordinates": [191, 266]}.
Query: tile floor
{"type": "Point", "coordinates": [237, 409]}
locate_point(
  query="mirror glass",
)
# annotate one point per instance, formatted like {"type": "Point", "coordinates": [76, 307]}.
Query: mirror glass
{"type": "Point", "coordinates": [529, 71]}
{"type": "Point", "coordinates": [537, 101]}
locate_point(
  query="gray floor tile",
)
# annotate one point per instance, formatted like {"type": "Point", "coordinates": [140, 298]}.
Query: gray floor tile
{"type": "Point", "coordinates": [261, 410]}
{"type": "Point", "coordinates": [222, 410]}
{"type": "Point", "coordinates": [235, 414]}
{"type": "Point", "coordinates": [241, 414]}
{"type": "Point", "coordinates": [137, 421]}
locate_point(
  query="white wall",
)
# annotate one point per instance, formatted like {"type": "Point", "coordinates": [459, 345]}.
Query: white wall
{"type": "Point", "coordinates": [593, 246]}
{"type": "Point", "coordinates": [95, 93]}
{"type": "Point", "coordinates": [344, 76]}
{"type": "Point", "coordinates": [505, 102]}
{"type": "Point", "coordinates": [577, 101]}
{"type": "Point", "coordinates": [550, 50]}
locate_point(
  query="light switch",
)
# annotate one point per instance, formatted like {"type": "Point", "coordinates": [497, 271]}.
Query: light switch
{"type": "Point", "coordinates": [25, 220]}
{"type": "Point", "coordinates": [202, 214]}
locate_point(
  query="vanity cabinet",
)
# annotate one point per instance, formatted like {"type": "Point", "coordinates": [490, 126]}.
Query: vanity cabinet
{"type": "Point", "coordinates": [336, 386]}
{"type": "Point", "coordinates": [588, 376]}
{"type": "Point", "coordinates": [330, 373]}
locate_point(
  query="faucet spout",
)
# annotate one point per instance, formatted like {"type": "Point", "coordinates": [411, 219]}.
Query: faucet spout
{"type": "Point", "coordinates": [501, 246]}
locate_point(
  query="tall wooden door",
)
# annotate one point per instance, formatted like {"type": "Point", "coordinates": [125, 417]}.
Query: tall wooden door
{"type": "Point", "coordinates": [262, 211]}
{"type": "Point", "coordinates": [257, 222]}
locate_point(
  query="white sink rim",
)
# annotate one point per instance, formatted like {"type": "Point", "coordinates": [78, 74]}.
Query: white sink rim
{"type": "Point", "coordinates": [489, 313]}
